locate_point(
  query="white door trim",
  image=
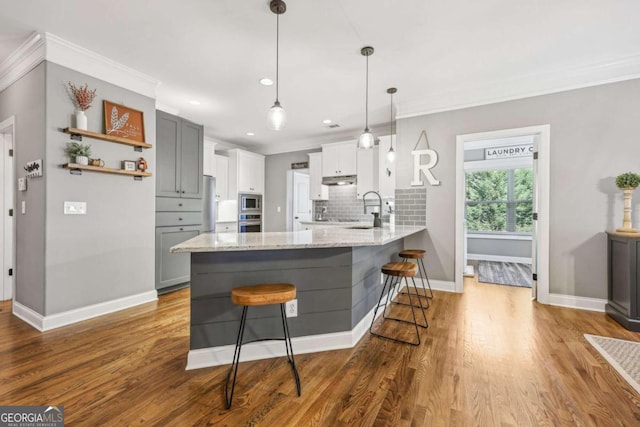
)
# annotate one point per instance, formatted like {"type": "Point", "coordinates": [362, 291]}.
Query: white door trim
{"type": "Point", "coordinates": [543, 132]}
{"type": "Point", "coordinates": [7, 127]}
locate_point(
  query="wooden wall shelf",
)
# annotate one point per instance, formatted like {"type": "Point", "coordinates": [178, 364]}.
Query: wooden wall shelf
{"type": "Point", "coordinates": [77, 134]}
{"type": "Point", "coordinates": [76, 167]}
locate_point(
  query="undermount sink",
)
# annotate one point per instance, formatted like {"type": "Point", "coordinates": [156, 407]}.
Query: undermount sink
{"type": "Point", "coordinates": [360, 227]}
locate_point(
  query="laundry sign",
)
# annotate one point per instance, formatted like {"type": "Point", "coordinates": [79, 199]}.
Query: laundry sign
{"type": "Point", "coordinates": [522, 150]}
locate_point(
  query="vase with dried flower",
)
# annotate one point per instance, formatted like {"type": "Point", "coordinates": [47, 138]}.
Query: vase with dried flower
{"type": "Point", "coordinates": [627, 182]}
{"type": "Point", "coordinates": [82, 98]}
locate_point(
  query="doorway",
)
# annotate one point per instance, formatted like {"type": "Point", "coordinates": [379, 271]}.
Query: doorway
{"type": "Point", "coordinates": [539, 138]}
{"type": "Point", "coordinates": [7, 236]}
{"type": "Point", "coordinates": [299, 204]}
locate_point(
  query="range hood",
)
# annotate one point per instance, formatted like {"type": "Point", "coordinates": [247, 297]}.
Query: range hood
{"type": "Point", "coordinates": [339, 180]}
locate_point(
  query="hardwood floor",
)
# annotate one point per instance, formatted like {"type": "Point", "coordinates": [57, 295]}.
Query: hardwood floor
{"type": "Point", "coordinates": [490, 357]}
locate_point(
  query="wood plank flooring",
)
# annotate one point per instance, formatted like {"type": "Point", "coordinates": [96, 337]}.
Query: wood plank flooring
{"type": "Point", "coordinates": [490, 357]}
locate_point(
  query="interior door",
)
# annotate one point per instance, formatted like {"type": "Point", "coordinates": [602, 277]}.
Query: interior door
{"type": "Point", "coordinates": [534, 228]}
{"type": "Point", "coordinates": [6, 204]}
{"type": "Point", "coordinates": [301, 201]}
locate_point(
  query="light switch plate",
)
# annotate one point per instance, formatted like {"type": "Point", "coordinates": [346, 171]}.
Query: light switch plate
{"type": "Point", "coordinates": [75, 208]}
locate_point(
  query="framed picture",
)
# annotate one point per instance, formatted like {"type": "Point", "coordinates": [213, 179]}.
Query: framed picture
{"type": "Point", "coordinates": [129, 165]}
{"type": "Point", "coordinates": [123, 121]}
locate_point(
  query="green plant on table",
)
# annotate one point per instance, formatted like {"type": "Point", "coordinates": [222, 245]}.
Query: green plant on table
{"type": "Point", "coordinates": [75, 149]}
{"type": "Point", "coordinates": [627, 180]}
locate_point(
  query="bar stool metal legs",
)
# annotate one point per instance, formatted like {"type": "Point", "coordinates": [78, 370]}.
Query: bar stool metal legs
{"type": "Point", "coordinates": [423, 273]}
{"type": "Point", "coordinates": [260, 295]}
{"type": "Point", "coordinates": [287, 341]}
{"type": "Point", "coordinates": [391, 283]}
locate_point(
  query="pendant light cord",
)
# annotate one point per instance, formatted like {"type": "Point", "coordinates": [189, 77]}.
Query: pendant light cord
{"type": "Point", "coordinates": [391, 117]}
{"type": "Point", "coordinates": [366, 102]}
{"type": "Point", "coordinates": [277, 56]}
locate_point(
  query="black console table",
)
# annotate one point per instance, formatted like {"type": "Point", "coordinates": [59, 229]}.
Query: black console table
{"type": "Point", "coordinates": [623, 279]}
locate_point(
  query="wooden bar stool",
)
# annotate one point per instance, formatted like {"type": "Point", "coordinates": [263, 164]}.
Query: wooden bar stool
{"type": "Point", "coordinates": [395, 272]}
{"type": "Point", "coordinates": [418, 255]}
{"type": "Point", "coordinates": [255, 295]}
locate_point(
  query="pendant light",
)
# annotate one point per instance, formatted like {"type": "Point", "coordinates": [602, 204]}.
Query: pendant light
{"type": "Point", "coordinates": [391, 155]}
{"type": "Point", "coordinates": [366, 139]}
{"type": "Point", "coordinates": [277, 117]}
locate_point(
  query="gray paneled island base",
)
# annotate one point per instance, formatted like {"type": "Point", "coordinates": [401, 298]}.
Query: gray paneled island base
{"type": "Point", "coordinates": [336, 272]}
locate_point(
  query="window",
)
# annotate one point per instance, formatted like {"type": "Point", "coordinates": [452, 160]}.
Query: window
{"type": "Point", "coordinates": [500, 200]}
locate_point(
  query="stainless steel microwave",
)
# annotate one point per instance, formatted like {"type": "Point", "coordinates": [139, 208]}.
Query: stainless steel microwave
{"type": "Point", "coordinates": [250, 202]}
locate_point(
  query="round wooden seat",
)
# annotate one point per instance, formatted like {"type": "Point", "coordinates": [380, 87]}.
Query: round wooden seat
{"type": "Point", "coordinates": [263, 294]}
{"type": "Point", "coordinates": [400, 269]}
{"type": "Point", "coordinates": [412, 253]}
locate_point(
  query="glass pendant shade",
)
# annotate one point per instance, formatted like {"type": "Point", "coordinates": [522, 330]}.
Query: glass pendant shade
{"type": "Point", "coordinates": [391, 154]}
{"type": "Point", "coordinates": [277, 117]}
{"type": "Point", "coordinates": [366, 139]}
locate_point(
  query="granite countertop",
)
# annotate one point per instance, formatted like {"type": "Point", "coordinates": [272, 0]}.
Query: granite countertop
{"type": "Point", "coordinates": [332, 237]}
{"type": "Point", "coordinates": [334, 222]}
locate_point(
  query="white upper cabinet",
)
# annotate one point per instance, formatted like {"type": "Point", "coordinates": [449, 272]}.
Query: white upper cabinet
{"type": "Point", "coordinates": [367, 171]}
{"type": "Point", "coordinates": [386, 169]}
{"type": "Point", "coordinates": [317, 191]}
{"type": "Point", "coordinates": [222, 177]}
{"type": "Point", "coordinates": [246, 173]}
{"type": "Point", "coordinates": [339, 159]}
{"type": "Point", "coordinates": [208, 160]}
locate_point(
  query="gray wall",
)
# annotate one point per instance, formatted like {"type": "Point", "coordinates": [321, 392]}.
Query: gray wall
{"type": "Point", "coordinates": [23, 99]}
{"type": "Point", "coordinates": [275, 187]}
{"type": "Point", "coordinates": [593, 138]}
{"type": "Point", "coordinates": [108, 253]}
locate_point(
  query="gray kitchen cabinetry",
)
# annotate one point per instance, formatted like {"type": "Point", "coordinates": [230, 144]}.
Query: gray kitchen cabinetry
{"type": "Point", "coordinates": [173, 270]}
{"type": "Point", "coordinates": [179, 157]}
{"type": "Point", "coordinates": [623, 279]}
{"type": "Point", "coordinates": [179, 189]}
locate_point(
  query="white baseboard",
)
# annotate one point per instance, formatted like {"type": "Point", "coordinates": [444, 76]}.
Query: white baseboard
{"type": "Point", "coordinates": [46, 323]}
{"type": "Point", "coordinates": [26, 314]}
{"type": "Point", "coordinates": [582, 303]}
{"type": "Point", "coordinates": [223, 355]}
{"type": "Point", "coordinates": [499, 258]}
{"type": "Point", "coordinates": [440, 285]}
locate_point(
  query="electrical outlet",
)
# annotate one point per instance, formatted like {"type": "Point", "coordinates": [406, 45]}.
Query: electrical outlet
{"type": "Point", "coordinates": [291, 308]}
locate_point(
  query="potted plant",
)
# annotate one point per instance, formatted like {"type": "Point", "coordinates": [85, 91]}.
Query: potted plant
{"type": "Point", "coordinates": [82, 97]}
{"type": "Point", "coordinates": [627, 182]}
{"type": "Point", "coordinates": [79, 152]}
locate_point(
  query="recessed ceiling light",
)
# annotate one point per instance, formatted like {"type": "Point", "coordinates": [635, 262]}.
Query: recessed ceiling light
{"type": "Point", "coordinates": [326, 121]}
{"type": "Point", "coordinates": [250, 134]}
{"type": "Point", "coordinates": [194, 102]}
{"type": "Point", "coordinates": [266, 81]}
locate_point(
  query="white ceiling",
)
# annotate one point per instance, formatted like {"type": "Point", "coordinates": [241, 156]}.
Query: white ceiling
{"type": "Point", "coordinates": [215, 51]}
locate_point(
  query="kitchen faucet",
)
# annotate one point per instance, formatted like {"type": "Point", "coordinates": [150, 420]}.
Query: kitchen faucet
{"type": "Point", "coordinates": [377, 222]}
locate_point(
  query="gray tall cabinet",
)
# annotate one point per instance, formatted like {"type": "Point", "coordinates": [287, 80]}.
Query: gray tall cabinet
{"type": "Point", "coordinates": [179, 157]}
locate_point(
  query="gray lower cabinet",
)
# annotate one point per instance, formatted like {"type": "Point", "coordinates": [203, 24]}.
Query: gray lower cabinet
{"type": "Point", "coordinates": [173, 269]}
{"type": "Point", "coordinates": [623, 279]}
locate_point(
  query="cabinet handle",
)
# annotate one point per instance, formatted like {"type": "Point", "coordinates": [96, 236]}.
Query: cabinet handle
{"type": "Point", "coordinates": [179, 219]}
{"type": "Point", "coordinates": [177, 191]}
{"type": "Point", "coordinates": [183, 191]}
{"type": "Point", "coordinates": [181, 229]}
{"type": "Point", "coordinates": [179, 204]}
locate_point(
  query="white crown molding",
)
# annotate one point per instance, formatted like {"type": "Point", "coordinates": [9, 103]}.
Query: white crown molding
{"type": "Point", "coordinates": [46, 46]}
{"type": "Point", "coordinates": [22, 60]}
{"type": "Point", "coordinates": [70, 55]}
{"type": "Point", "coordinates": [46, 323]}
{"type": "Point", "coordinates": [167, 109]}
{"type": "Point", "coordinates": [543, 83]}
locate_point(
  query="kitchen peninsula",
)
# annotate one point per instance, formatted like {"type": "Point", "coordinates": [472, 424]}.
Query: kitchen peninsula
{"type": "Point", "coordinates": [336, 272]}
